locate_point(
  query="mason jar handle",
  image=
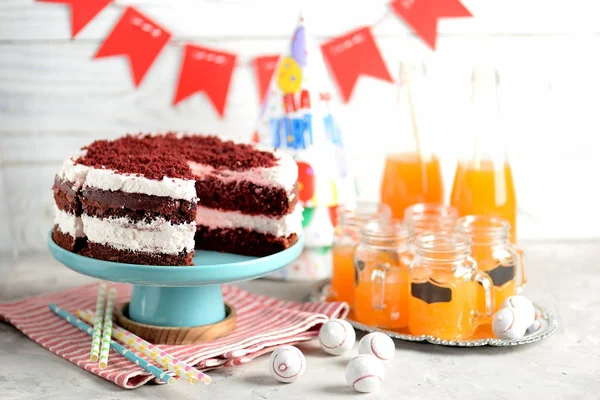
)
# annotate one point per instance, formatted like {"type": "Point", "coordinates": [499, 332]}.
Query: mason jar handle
{"type": "Point", "coordinates": [521, 269]}
{"type": "Point", "coordinates": [378, 276]}
{"type": "Point", "coordinates": [488, 288]}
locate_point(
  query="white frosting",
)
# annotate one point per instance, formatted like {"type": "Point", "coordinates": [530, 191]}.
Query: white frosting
{"type": "Point", "coordinates": [284, 173]}
{"type": "Point", "coordinates": [108, 179]}
{"type": "Point", "coordinates": [279, 227]}
{"type": "Point", "coordinates": [158, 236]}
{"type": "Point", "coordinates": [68, 223]}
{"type": "Point", "coordinates": [75, 173]}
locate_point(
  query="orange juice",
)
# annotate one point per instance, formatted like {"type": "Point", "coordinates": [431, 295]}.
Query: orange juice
{"type": "Point", "coordinates": [448, 311]}
{"type": "Point", "coordinates": [342, 282]}
{"type": "Point", "coordinates": [346, 240]}
{"type": "Point", "coordinates": [494, 254]}
{"type": "Point", "coordinates": [485, 188]}
{"type": "Point", "coordinates": [409, 178]}
{"type": "Point", "coordinates": [382, 275]}
{"type": "Point", "coordinates": [384, 304]}
{"type": "Point", "coordinates": [393, 312]}
{"type": "Point", "coordinates": [497, 268]}
{"type": "Point", "coordinates": [443, 299]}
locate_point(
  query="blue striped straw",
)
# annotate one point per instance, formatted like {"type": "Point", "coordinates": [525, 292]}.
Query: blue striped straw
{"type": "Point", "coordinates": [157, 372]}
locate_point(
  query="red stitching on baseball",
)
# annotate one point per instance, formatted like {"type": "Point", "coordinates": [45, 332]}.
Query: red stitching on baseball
{"type": "Point", "coordinates": [365, 377]}
{"type": "Point", "coordinates": [341, 343]}
{"type": "Point", "coordinates": [291, 376]}
{"type": "Point", "coordinates": [375, 352]}
{"type": "Point", "coordinates": [512, 323]}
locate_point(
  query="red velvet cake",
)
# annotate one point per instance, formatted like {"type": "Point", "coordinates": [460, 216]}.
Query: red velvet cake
{"type": "Point", "coordinates": [153, 199]}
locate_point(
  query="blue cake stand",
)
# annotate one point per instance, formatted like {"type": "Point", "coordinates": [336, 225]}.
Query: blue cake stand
{"type": "Point", "coordinates": [186, 296]}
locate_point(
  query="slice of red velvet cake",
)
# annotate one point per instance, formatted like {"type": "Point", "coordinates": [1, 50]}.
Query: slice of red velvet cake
{"type": "Point", "coordinates": [152, 199]}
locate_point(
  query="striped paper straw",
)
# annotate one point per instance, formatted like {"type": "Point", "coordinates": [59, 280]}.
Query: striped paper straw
{"type": "Point", "coordinates": [107, 328]}
{"type": "Point", "coordinates": [166, 360]}
{"type": "Point", "coordinates": [157, 372]}
{"type": "Point", "coordinates": [98, 323]}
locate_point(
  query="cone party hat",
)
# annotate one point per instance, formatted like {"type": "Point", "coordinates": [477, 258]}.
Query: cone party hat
{"type": "Point", "coordinates": [298, 118]}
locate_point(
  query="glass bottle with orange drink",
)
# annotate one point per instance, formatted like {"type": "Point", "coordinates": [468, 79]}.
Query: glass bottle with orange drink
{"type": "Point", "coordinates": [412, 173]}
{"type": "Point", "coordinates": [382, 262]}
{"type": "Point", "coordinates": [350, 221]}
{"type": "Point", "coordinates": [483, 183]}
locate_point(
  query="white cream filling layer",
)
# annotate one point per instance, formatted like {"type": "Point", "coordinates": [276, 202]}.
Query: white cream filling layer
{"type": "Point", "coordinates": [75, 173]}
{"type": "Point", "coordinates": [284, 174]}
{"type": "Point", "coordinates": [158, 236]}
{"type": "Point", "coordinates": [279, 227]}
{"type": "Point", "coordinates": [68, 223]}
{"type": "Point", "coordinates": [108, 179]}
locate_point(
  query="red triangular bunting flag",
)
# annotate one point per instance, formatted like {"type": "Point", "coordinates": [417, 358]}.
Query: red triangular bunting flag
{"type": "Point", "coordinates": [207, 70]}
{"type": "Point", "coordinates": [451, 9]}
{"type": "Point", "coordinates": [82, 11]}
{"type": "Point", "coordinates": [422, 15]}
{"type": "Point", "coordinates": [138, 38]}
{"type": "Point", "coordinates": [352, 55]}
{"type": "Point", "coordinates": [263, 69]}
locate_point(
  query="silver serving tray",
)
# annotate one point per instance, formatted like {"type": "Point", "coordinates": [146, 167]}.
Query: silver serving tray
{"type": "Point", "coordinates": [548, 325]}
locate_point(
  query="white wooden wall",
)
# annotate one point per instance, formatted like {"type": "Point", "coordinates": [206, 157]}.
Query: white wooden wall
{"type": "Point", "coordinates": [55, 99]}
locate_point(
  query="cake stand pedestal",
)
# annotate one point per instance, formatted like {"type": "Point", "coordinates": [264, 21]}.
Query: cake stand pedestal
{"type": "Point", "coordinates": [177, 305]}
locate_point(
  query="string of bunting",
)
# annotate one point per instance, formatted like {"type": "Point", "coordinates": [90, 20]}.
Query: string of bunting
{"type": "Point", "coordinates": [208, 70]}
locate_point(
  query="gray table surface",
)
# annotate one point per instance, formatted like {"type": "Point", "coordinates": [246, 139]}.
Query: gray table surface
{"type": "Point", "coordinates": [564, 276]}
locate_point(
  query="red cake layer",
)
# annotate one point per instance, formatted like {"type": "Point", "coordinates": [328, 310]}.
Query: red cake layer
{"type": "Point", "coordinates": [246, 197]}
{"type": "Point", "coordinates": [65, 197]}
{"type": "Point", "coordinates": [241, 241]}
{"type": "Point", "coordinates": [67, 241]}
{"type": "Point", "coordinates": [136, 206]}
{"type": "Point", "coordinates": [167, 155]}
{"type": "Point", "coordinates": [102, 252]}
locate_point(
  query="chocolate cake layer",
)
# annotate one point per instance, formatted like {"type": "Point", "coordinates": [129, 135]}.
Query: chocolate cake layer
{"type": "Point", "coordinates": [245, 197]}
{"type": "Point", "coordinates": [102, 252]}
{"type": "Point", "coordinates": [65, 197]}
{"type": "Point", "coordinates": [136, 206]}
{"type": "Point", "coordinates": [241, 241]}
{"type": "Point", "coordinates": [67, 241]}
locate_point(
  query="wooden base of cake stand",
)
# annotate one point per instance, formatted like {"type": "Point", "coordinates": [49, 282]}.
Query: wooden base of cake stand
{"type": "Point", "coordinates": [178, 335]}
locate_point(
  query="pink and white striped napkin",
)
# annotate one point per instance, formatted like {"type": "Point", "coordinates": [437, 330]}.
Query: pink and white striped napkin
{"type": "Point", "coordinates": [263, 323]}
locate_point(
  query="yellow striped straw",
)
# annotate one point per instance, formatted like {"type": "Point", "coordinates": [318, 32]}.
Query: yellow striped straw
{"type": "Point", "coordinates": [162, 358]}
{"type": "Point", "coordinates": [107, 328]}
{"type": "Point", "coordinates": [96, 333]}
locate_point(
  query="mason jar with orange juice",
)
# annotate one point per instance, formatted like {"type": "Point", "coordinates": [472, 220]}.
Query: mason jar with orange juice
{"type": "Point", "coordinates": [430, 217]}
{"type": "Point", "coordinates": [382, 262]}
{"type": "Point", "coordinates": [444, 298]}
{"type": "Point", "coordinates": [495, 255]}
{"type": "Point", "coordinates": [350, 221]}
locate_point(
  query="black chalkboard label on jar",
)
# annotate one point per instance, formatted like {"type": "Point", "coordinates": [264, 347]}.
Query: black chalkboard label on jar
{"type": "Point", "coordinates": [430, 293]}
{"type": "Point", "coordinates": [502, 274]}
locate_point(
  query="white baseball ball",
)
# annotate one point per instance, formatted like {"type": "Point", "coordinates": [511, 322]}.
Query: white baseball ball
{"type": "Point", "coordinates": [336, 337]}
{"type": "Point", "coordinates": [524, 307]}
{"type": "Point", "coordinates": [287, 364]}
{"type": "Point", "coordinates": [507, 324]}
{"type": "Point", "coordinates": [534, 327]}
{"type": "Point", "coordinates": [379, 345]}
{"type": "Point", "coordinates": [365, 373]}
